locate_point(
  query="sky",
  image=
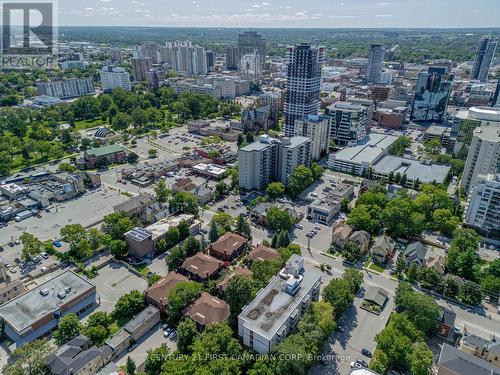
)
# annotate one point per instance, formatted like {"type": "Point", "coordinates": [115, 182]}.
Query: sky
{"type": "Point", "coordinates": [282, 13]}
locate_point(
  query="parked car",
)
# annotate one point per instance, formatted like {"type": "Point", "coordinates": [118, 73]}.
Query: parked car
{"type": "Point", "coordinates": [57, 244]}
{"type": "Point", "coordinates": [361, 362]}
{"type": "Point", "coordinates": [299, 226]}
{"type": "Point", "coordinates": [366, 352]}
{"type": "Point", "coordinates": [356, 365]}
{"type": "Point", "coordinates": [44, 255]}
{"type": "Point", "coordinates": [172, 335]}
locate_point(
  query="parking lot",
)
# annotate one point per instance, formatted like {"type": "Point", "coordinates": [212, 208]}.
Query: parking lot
{"type": "Point", "coordinates": [85, 210]}
{"type": "Point", "coordinates": [359, 330]}
{"type": "Point", "coordinates": [151, 340]}
{"type": "Point", "coordinates": [113, 281]}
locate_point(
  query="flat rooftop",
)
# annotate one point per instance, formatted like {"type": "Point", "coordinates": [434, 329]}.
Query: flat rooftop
{"type": "Point", "coordinates": [30, 307]}
{"type": "Point", "coordinates": [413, 169]}
{"type": "Point", "coordinates": [270, 309]}
{"type": "Point", "coordinates": [369, 150]}
{"type": "Point", "coordinates": [263, 142]}
{"type": "Point", "coordinates": [143, 316]}
{"type": "Point", "coordinates": [159, 228]}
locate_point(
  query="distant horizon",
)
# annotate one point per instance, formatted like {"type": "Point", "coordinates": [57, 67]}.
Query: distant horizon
{"type": "Point", "coordinates": [289, 28]}
{"type": "Point", "coordinates": [282, 13]}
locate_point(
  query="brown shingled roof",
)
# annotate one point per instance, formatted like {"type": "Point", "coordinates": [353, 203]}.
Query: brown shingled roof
{"type": "Point", "coordinates": [202, 265]}
{"type": "Point", "coordinates": [208, 309]}
{"type": "Point", "coordinates": [161, 289]}
{"type": "Point", "coordinates": [228, 244]}
{"type": "Point", "coordinates": [262, 252]}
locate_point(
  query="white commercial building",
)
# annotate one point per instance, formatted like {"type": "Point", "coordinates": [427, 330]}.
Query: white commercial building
{"type": "Point", "coordinates": [317, 128]}
{"type": "Point", "coordinates": [483, 157]}
{"type": "Point", "coordinates": [483, 206]}
{"type": "Point", "coordinates": [358, 159]}
{"type": "Point", "coordinates": [276, 310]}
{"type": "Point", "coordinates": [115, 77]}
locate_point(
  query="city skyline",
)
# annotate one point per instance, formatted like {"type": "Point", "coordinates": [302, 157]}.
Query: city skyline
{"type": "Point", "coordinates": [278, 14]}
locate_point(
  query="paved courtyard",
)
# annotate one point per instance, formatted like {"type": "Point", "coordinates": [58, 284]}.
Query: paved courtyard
{"type": "Point", "coordinates": [113, 281]}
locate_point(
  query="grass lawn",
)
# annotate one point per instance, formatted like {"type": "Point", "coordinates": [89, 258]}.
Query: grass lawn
{"type": "Point", "coordinates": [376, 268]}
{"type": "Point", "coordinates": [86, 124]}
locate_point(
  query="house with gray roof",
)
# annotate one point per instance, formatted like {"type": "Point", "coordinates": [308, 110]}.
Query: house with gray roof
{"type": "Point", "coordinates": [414, 254]}
{"type": "Point", "coordinates": [487, 349]}
{"type": "Point", "coordinates": [383, 249]}
{"type": "Point", "coordinates": [76, 357]}
{"type": "Point", "coordinates": [453, 361]}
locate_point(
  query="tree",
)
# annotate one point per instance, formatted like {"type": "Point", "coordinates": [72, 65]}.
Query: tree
{"type": "Point", "coordinates": [420, 359]}
{"type": "Point", "coordinates": [451, 288]}
{"type": "Point", "coordinates": [431, 279]}
{"type": "Point", "coordinates": [352, 252]}
{"type": "Point", "coordinates": [283, 239]}
{"type": "Point", "coordinates": [471, 293]}
{"type": "Point", "coordinates": [156, 358]}
{"type": "Point", "coordinates": [317, 171]}
{"type": "Point", "coordinates": [130, 366]}
{"type": "Point", "coordinates": [30, 359]}
{"type": "Point", "coordinates": [354, 277]}
{"type": "Point", "coordinates": [243, 227]}
{"type": "Point", "coordinates": [421, 309]}
{"type": "Point", "coordinates": [68, 328]}
{"type": "Point", "coordinates": [121, 121]}
{"type": "Point", "coordinates": [398, 148]}
{"type": "Point", "coordinates": [192, 245]}
{"type": "Point", "coordinates": [118, 248]}
{"type": "Point", "coordinates": [73, 234]}
{"type": "Point", "coordinates": [379, 362]}
{"type": "Point", "coordinates": [397, 338]}
{"type": "Point", "coordinates": [293, 355]}
{"type": "Point", "coordinates": [412, 273]}
{"type": "Point", "coordinates": [224, 222]}
{"type": "Point", "coordinates": [176, 257]}
{"type": "Point", "coordinates": [462, 255]}
{"type": "Point", "coordinates": [132, 157]}
{"type": "Point", "coordinates": [300, 179]}
{"type": "Point", "coordinates": [220, 189]}
{"type": "Point", "coordinates": [99, 318]}
{"type": "Point", "coordinates": [323, 314]}
{"type": "Point", "coordinates": [339, 294]}
{"type": "Point", "coordinates": [238, 293]}
{"type": "Point", "coordinates": [179, 297]}
{"type": "Point", "coordinates": [262, 271]}
{"type": "Point", "coordinates": [278, 219]}
{"type": "Point", "coordinates": [400, 266]}
{"type": "Point", "coordinates": [116, 225]}
{"type": "Point", "coordinates": [444, 221]}
{"type": "Point", "coordinates": [213, 234]}
{"type": "Point", "coordinates": [172, 237]}
{"type": "Point", "coordinates": [344, 205]}
{"type": "Point", "coordinates": [275, 189]}
{"type": "Point", "coordinates": [361, 218]}
{"type": "Point", "coordinates": [32, 246]}
{"type": "Point", "coordinates": [184, 202]}
{"type": "Point", "coordinates": [96, 334]}
{"type": "Point", "coordinates": [161, 191]}
{"type": "Point", "coordinates": [187, 333]}
{"type": "Point", "coordinates": [401, 220]}
{"type": "Point", "coordinates": [183, 229]}
{"type": "Point", "coordinates": [129, 305]}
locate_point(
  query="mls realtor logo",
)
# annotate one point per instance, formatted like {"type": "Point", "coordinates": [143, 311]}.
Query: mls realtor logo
{"type": "Point", "coordinates": [29, 34]}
